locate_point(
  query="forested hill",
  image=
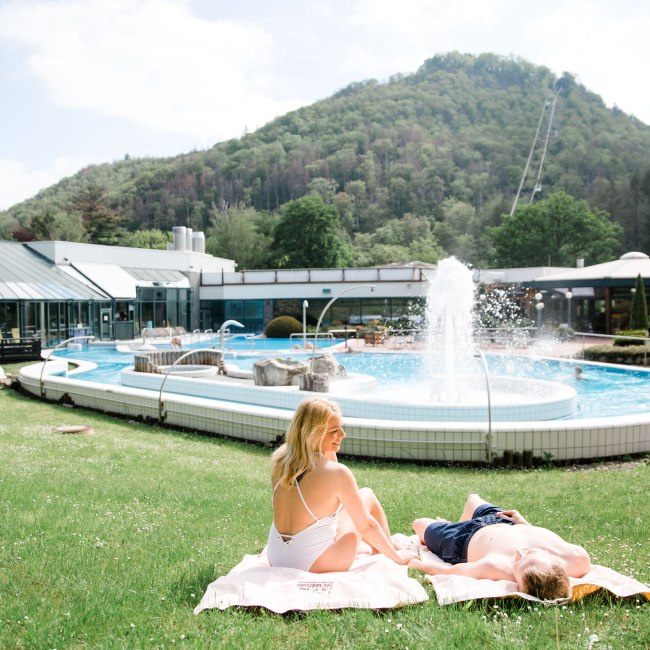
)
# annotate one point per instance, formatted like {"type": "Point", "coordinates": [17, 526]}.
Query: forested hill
{"type": "Point", "coordinates": [439, 152]}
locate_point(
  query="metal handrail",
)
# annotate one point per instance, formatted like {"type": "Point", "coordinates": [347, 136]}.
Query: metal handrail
{"type": "Point", "coordinates": [41, 388]}
{"type": "Point", "coordinates": [488, 437]}
{"type": "Point", "coordinates": [327, 306]}
{"type": "Point", "coordinates": [162, 415]}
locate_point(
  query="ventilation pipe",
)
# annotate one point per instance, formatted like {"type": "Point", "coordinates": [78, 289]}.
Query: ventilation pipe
{"type": "Point", "coordinates": [188, 239]}
{"type": "Point", "coordinates": [198, 242]}
{"type": "Point", "coordinates": [580, 263]}
{"type": "Point", "coordinates": [179, 238]}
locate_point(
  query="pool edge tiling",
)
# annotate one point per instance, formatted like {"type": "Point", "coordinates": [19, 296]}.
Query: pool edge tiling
{"type": "Point", "coordinates": [561, 440]}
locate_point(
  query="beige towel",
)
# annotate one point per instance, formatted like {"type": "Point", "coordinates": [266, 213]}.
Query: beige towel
{"type": "Point", "coordinates": [373, 582]}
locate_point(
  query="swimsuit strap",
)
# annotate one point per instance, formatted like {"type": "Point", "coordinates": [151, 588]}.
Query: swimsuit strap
{"type": "Point", "coordinates": [302, 498]}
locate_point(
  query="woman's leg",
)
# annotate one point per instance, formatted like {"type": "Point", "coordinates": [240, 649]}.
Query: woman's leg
{"type": "Point", "coordinates": [340, 555]}
{"type": "Point", "coordinates": [372, 503]}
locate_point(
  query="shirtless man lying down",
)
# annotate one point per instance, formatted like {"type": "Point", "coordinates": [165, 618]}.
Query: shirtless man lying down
{"type": "Point", "coordinates": [489, 542]}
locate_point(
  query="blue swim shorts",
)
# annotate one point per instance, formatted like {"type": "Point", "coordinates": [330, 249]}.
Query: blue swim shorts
{"type": "Point", "coordinates": [449, 539]}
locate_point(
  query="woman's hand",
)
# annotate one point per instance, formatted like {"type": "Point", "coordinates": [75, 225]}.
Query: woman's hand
{"type": "Point", "coordinates": [405, 555]}
{"type": "Point", "coordinates": [432, 566]}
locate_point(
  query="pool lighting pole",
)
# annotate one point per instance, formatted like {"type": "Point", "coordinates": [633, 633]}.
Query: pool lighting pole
{"type": "Point", "coordinates": [54, 349]}
{"type": "Point", "coordinates": [488, 437]}
{"type": "Point", "coordinates": [327, 306]}
{"type": "Point", "coordinates": [305, 304]}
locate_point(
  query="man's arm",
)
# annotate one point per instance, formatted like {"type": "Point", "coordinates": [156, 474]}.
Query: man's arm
{"type": "Point", "coordinates": [578, 562]}
{"type": "Point", "coordinates": [490, 568]}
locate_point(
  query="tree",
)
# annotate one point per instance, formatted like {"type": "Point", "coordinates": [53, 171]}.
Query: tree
{"type": "Point", "coordinates": [240, 237]}
{"type": "Point", "coordinates": [44, 225]}
{"type": "Point", "coordinates": [153, 238]}
{"type": "Point", "coordinates": [100, 222]}
{"type": "Point", "coordinates": [639, 310]}
{"type": "Point", "coordinates": [556, 232]}
{"type": "Point", "coordinates": [308, 234]}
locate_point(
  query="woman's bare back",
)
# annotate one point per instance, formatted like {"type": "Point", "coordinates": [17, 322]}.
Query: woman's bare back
{"type": "Point", "coordinates": [289, 512]}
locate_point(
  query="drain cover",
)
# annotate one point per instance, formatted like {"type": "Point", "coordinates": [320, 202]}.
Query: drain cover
{"type": "Point", "coordinates": [78, 428]}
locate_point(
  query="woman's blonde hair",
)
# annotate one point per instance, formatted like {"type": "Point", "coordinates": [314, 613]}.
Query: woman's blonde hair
{"type": "Point", "coordinates": [303, 440]}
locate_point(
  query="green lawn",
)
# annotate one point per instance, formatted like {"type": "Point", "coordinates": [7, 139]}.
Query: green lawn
{"type": "Point", "coordinates": [109, 540]}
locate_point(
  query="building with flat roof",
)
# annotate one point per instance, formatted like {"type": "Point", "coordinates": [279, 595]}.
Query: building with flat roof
{"type": "Point", "coordinates": [53, 290]}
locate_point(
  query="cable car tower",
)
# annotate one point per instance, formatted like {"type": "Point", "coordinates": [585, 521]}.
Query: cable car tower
{"type": "Point", "coordinates": [548, 113]}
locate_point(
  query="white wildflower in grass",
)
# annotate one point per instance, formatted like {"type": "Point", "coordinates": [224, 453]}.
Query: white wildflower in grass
{"type": "Point", "coordinates": [592, 639]}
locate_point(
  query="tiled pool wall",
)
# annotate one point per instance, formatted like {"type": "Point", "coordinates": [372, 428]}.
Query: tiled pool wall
{"type": "Point", "coordinates": [561, 403]}
{"type": "Point", "coordinates": [366, 436]}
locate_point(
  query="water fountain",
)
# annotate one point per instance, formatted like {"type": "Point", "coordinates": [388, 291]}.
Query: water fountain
{"type": "Point", "coordinates": [453, 386]}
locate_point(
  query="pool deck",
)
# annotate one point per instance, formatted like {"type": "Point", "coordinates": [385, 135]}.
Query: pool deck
{"type": "Point", "coordinates": [547, 347]}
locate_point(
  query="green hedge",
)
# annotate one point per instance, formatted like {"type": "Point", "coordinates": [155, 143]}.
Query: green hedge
{"type": "Point", "coordinates": [631, 355]}
{"type": "Point", "coordinates": [624, 342]}
{"type": "Point", "coordinates": [282, 327]}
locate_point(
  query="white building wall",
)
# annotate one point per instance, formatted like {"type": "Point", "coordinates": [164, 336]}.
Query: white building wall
{"type": "Point", "coordinates": [404, 282]}
{"type": "Point", "coordinates": [311, 291]}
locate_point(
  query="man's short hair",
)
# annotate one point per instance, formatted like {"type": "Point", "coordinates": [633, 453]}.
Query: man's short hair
{"type": "Point", "coordinates": [546, 582]}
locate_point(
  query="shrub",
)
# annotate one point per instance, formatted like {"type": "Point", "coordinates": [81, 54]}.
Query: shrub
{"type": "Point", "coordinates": [622, 342]}
{"type": "Point", "coordinates": [282, 327]}
{"type": "Point", "coordinates": [564, 333]}
{"type": "Point", "coordinates": [634, 355]}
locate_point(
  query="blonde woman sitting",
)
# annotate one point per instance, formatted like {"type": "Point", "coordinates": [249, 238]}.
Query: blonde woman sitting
{"type": "Point", "coordinates": [319, 513]}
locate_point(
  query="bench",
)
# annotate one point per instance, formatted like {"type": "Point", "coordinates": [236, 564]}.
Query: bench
{"type": "Point", "coordinates": [20, 350]}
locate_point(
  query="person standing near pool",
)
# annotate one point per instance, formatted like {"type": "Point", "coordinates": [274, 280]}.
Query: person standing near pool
{"type": "Point", "coordinates": [319, 513]}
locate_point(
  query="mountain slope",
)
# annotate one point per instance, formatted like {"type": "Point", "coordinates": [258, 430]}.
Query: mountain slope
{"type": "Point", "coordinates": [456, 132]}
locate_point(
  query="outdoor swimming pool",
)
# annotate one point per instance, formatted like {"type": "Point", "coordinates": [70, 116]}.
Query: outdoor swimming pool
{"type": "Point", "coordinates": [605, 391]}
{"type": "Point", "coordinates": [612, 416]}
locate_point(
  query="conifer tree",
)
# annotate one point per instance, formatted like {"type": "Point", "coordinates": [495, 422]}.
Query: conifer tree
{"type": "Point", "coordinates": [639, 310]}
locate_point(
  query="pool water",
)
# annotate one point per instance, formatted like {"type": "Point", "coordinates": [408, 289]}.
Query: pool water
{"type": "Point", "coordinates": [604, 391]}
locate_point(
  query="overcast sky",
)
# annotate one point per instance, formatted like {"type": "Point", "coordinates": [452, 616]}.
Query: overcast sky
{"type": "Point", "coordinates": [88, 81]}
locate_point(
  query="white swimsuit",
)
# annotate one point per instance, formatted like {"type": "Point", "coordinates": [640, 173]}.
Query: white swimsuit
{"type": "Point", "coordinates": [301, 550]}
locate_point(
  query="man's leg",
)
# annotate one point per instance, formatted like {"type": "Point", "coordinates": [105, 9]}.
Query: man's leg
{"type": "Point", "coordinates": [420, 525]}
{"type": "Point", "coordinates": [473, 502]}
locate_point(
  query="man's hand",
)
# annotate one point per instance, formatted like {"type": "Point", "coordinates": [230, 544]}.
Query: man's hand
{"type": "Point", "coordinates": [515, 515]}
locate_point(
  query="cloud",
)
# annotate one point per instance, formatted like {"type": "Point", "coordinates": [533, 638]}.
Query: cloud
{"type": "Point", "coordinates": [149, 61]}
{"type": "Point", "coordinates": [17, 181]}
{"type": "Point", "coordinates": [604, 45]}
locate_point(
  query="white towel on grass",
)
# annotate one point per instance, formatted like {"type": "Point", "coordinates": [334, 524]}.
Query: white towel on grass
{"type": "Point", "coordinates": [372, 582]}
{"type": "Point", "coordinates": [454, 589]}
